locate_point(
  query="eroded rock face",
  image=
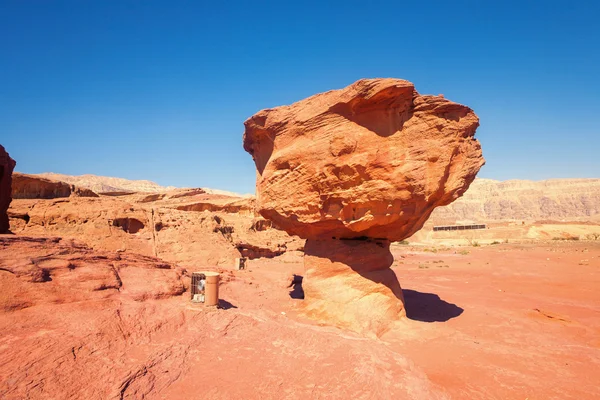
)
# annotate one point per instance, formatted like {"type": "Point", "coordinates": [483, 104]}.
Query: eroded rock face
{"type": "Point", "coordinates": [350, 283]}
{"type": "Point", "coordinates": [351, 170]}
{"type": "Point", "coordinates": [7, 165]}
{"type": "Point", "coordinates": [26, 186]}
{"type": "Point", "coordinates": [212, 237]}
{"type": "Point", "coordinates": [33, 187]}
{"type": "Point", "coordinates": [553, 199]}
{"type": "Point", "coordinates": [370, 160]}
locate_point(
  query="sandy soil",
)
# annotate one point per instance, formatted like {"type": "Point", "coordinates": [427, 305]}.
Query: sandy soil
{"type": "Point", "coordinates": [508, 321]}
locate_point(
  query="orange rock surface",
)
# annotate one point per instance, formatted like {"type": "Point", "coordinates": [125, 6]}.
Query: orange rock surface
{"type": "Point", "coordinates": [7, 165]}
{"type": "Point", "coordinates": [189, 227]}
{"type": "Point", "coordinates": [370, 161]}
{"type": "Point", "coordinates": [26, 186]}
{"type": "Point", "coordinates": [373, 159]}
{"type": "Point", "coordinates": [350, 283]}
{"type": "Point", "coordinates": [518, 315]}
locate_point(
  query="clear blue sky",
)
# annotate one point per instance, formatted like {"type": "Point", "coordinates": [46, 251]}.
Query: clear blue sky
{"type": "Point", "coordinates": [159, 90]}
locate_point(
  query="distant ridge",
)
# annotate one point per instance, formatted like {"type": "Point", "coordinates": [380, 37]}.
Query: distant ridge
{"type": "Point", "coordinates": [553, 199]}
{"type": "Point", "coordinates": [107, 184]}
{"type": "Point", "coordinates": [576, 199]}
{"type": "Point", "coordinates": [102, 184]}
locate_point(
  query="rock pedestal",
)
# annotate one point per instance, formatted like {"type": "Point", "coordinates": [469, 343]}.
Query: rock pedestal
{"type": "Point", "coordinates": [350, 283]}
{"type": "Point", "coordinates": [7, 165]}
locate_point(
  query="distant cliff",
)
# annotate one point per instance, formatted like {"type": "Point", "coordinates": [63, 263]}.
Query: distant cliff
{"type": "Point", "coordinates": [26, 186]}
{"type": "Point", "coordinates": [107, 184]}
{"type": "Point", "coordinates": [554, 199]}
{"type": "Point", "coordinates": [102, 184]}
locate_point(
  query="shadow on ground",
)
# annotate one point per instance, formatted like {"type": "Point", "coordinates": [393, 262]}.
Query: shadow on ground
{"type": "Point", "coordinates": [428, 307]}
{"type": "Point", "coordinates": [297, 291]}
{"type": "Point", "coordinates": [225, 305]}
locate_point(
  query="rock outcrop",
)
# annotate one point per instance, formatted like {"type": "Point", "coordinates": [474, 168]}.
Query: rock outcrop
{"type": "Point", "coordinates": [228, 205]}
{"type": "Point", "coordinates": [191, 237]}
{"type": "Point", "coordinates": [107, 184]}
{"type": "Point", "coordinates": [26, 186]}
{"type": "Point", "coordinates": [369, 163]}
{"type": "Point", "coordinates": [7, 165]}
{"type": "Point", "coordinates": [32, 187]}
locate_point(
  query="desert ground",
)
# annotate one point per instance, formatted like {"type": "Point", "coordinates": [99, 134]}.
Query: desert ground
{"type": "Point", "coordinates": [95, 305]}
{"type": "Point", "coordinates": [500, 321]}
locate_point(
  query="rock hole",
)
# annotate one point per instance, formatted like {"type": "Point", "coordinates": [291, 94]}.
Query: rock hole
{"type": "Point", "coordinates": [129, 225]}
{"type": "Point", "coordinates": [24, 217]}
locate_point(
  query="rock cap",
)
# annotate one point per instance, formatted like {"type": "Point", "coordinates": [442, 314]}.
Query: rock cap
{"type": "Point", "coordinates": [370, 160]}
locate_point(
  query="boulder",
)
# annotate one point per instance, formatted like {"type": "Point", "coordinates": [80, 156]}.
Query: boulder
{"type": "Point", "coordinates": [371, 160]}
{"type": "Point", "coordinates": [7, 165]}
{"type": "Point", "coordinates": [351, 170]}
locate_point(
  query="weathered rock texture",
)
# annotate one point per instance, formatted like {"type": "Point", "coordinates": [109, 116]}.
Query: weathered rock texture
{"type": "Point", "coordinates": [32, 187]}
{"type": "Point", "coordinates": [350, 281]}
{"type": "Point", "coordinates": [103, 184]}
{"type": "Point", "coordinates": [371, 160]}
{"type": "Point", "coordinates": [7, 165]}
{"type": "Point", "coordinates": [554, 199]}
{"type": "Point", "coordinates": [26, 186]}
{"type": "Point", "coordinates": [169, 225]}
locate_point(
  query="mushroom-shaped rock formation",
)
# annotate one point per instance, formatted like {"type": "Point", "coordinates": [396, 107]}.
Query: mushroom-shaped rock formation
{"type": "Point", "coordinates": [351, 170]}
{"type": "Point", "coordinates": [7, 165]}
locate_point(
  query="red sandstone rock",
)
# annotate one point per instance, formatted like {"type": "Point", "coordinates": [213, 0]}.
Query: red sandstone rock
{"type": "Point", "coordinates": [68, 271]}
{"type": "Point", "coordinates": [373, 159]}
{"type": "Point", "coordinates": [350, 283]}
{"type": "Point", "coordinates": [223, 229]}
{"type": "Point", "coordinates": [68, 338]}
{"type": "Point", "coordinates": [7, 165]}
{"type": "Point", "coordinates": [32, 187]}
{"type": "Point", "coordinates": [26, 186]}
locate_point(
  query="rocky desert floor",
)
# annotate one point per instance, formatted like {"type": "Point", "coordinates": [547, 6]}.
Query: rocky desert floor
{"type": "Point", "coordinates": [502, 321]}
